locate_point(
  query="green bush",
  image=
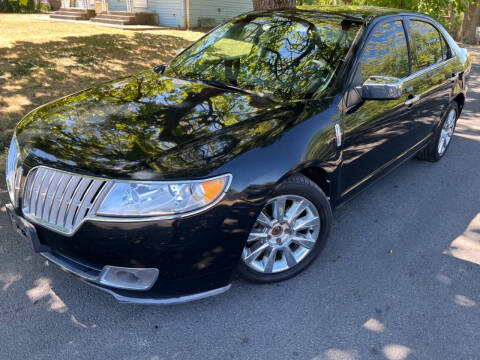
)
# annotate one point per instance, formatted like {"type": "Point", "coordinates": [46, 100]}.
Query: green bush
{"type": "Point", "coordinates": [18, 6]}
{"type": "Point", "coordinates": [44, 7]}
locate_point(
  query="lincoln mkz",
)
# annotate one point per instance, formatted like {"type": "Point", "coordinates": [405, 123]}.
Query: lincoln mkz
{"type": "Point", "coordinates": [159, 187]}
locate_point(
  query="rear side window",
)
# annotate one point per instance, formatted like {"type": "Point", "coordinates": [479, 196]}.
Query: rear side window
{"type": "Point", "coordinates": [427, 43]}
{"type": "Point", "coordinates": [445, 49]}
{"type": "Point", "coordinates": [386, 52]}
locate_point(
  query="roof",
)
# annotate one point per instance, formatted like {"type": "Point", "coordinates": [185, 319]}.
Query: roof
{"type": "Point", "coordinates": [363, 14]}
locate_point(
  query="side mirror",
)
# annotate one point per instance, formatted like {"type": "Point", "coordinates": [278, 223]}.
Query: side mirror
{"type": "Point", "coordinates": [159, 69]}
{"type": "Point", "coordinates": [381, 88]}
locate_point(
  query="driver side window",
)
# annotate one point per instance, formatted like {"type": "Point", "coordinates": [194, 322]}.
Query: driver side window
{"type": "Point", "coordinates": [385, 54]}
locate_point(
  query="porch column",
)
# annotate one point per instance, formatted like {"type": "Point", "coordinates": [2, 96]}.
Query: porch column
{"type": "Point", "coordinates": [129, 6]}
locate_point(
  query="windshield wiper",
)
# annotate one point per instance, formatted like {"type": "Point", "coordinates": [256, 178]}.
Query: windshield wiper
{"type": "Point", "coordinates": [228, 86]}
{"type": "Point", "coordinates": [216, 83]}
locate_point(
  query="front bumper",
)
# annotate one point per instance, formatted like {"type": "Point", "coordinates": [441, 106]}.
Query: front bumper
{"type": "Point", "coordinates": [195, 257]}
{"type": "Point", "coordinates": [93, 278]}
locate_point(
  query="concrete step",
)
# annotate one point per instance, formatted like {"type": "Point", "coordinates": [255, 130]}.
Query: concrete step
{"type": "Point", "coordinates": [113, 21]}
{"type": "Point", "coordinates": [67, 17]}
{"type": "Point", "coordinates": [116, 17]}
{"type": "Point", "coordinates": [73, 10]}
{"type": "Point", "coordinates": [68, 13]}
{"type": "Point", "coordinates": [125, 13]}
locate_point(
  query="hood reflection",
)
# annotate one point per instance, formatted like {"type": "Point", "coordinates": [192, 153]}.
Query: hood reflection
{"type": "Point", "coordinates": [149, 125]}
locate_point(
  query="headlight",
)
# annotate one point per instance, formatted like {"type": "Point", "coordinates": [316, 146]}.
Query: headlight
{"type": "Point", "coordinates": [13, 171]}
{"type": "Point", "coordinates": [138, 199]}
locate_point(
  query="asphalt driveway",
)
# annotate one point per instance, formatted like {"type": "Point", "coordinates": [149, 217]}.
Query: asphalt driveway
{"type": "Point", "coordinates": [399, 279]}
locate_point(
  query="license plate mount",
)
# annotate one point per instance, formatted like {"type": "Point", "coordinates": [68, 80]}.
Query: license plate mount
{"type": "Point", "coordinates": [25, 230]}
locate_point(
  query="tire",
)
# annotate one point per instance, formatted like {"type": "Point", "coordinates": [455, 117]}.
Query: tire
{"type": "Point", "coordinates": [433, 151]}
{"type": "Point", "coordinates": [298, 191]}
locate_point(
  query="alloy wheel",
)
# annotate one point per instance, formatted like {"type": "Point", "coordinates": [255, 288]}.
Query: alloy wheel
{"type": "Point", "coordinates": [447, 132]}
{"type": "Point", "coordinates": [284, 233]}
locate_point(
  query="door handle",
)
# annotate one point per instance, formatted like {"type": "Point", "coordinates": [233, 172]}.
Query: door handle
{"type": "Point", "coordinates": [412, 100]}
{"type": "Point", "coordinates": [454, 78]}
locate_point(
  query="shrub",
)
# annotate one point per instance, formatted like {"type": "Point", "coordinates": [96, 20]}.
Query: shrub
{"type": "Point", "coordinates": [18, 6]}
{"type": "Point", "coordinates": [44, 7]}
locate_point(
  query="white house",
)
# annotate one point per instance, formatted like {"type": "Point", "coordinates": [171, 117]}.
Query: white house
{"type": "Point", "coordinates": [186, 13]}
{"type": "Point", "coordinates": [173, 13]}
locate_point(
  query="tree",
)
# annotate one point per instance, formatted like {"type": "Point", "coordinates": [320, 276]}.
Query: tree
{"type": "Point", "coordinates": [470, 22]}
{"type": "Point", "coordinates": [441, 9]}
{"type": "Point", "coordinates": [273, 4]}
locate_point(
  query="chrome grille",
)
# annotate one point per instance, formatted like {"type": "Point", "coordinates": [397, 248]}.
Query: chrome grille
{"type": "Point", "coordinates": [58, 199]}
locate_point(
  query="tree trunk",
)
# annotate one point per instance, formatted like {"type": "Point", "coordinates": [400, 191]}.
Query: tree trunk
{"type": "Point", "coordinates": [273, 4]}
{"type": "Point", "coordinates": [470, 22]}
{"type": "Point", "coordinates": [451, 13]}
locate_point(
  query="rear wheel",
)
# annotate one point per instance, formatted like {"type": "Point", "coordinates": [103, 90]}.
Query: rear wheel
{"type": "Point", "coordinates": [289, 232]}
{"type": "Point", "coordinates": [443, 136]}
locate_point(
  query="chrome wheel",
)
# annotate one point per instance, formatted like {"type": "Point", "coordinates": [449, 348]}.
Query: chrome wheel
{"type": "Point", "coordinates": [283, 235]}
{"type": "Point", "coordinates": [447, 132]}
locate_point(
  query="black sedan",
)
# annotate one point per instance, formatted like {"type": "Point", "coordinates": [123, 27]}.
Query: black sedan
{"type": "Point", "coordinates": [158, 187]}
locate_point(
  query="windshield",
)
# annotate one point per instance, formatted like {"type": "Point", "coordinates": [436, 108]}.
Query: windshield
{"type": "Point", "coordinates": [283, 56]}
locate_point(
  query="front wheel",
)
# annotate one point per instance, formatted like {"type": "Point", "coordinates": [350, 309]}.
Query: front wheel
{"type": "Point", "coordinates": [289, 232]}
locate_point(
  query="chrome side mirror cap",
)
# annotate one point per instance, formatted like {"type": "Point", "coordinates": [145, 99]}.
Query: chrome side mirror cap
{"type": "Point", "coordinates": [381, 88]}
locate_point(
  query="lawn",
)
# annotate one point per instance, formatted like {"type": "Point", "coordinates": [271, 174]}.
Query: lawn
{"type": "Point", "coordinates": [44, 60]}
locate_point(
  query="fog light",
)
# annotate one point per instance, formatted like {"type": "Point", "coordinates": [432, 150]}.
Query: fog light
{"type": "Point", "coordinates": [128, 278]}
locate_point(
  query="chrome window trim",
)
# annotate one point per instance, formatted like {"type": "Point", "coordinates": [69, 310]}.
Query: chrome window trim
{"type": "Point", "coordinates": [405, 19]}
{"type": "Point", "coordinates": [109, 182]}
{"type": "Point", "coordinates": [429, 68]}
{"type": "Point", "coordinates": [442, 35]}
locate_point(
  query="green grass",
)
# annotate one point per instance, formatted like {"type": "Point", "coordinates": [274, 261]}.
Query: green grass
{"type": "Point", "coordinates": [41, 60]}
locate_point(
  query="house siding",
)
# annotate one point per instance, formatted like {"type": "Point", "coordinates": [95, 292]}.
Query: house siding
{"type": "Point", "coordinates": [114, 5]}
{"type": "Point", "coordinates": [220, 11]}
{"type": "Point", "coordinates": [170, 12]}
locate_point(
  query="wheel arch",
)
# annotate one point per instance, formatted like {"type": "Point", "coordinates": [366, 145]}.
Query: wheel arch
{"type": "Point", "coordinates": [460, 100]}
{"type": "Point", "coordinates": [319, 174]}
{"type": "Point", "coordinates": [320, 177]}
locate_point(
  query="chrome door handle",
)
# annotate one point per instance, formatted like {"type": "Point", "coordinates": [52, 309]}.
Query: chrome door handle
{"type": "Point", "coordinates": [412, 100]}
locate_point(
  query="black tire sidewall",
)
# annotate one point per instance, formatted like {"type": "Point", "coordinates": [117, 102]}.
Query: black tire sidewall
{"type": "Point", "coordinates": [316, 196]}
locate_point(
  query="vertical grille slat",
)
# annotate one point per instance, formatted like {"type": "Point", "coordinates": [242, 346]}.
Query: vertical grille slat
{"type": "Point", "coordinates": [58, 199]}
{"type": "Point", "coordinates": [56, 212]}
{"type": "Point", "coordinates": [43, 193]}
{"type": "Point", "coordinates": [49, 196]}
{"type": "Point", "coordinates": [75, 201]}
{"type": "Point", "coordinates": [87, 201]}
{"type": "Point", "coordinates": [27, 193]}
{"type": "Point", "coordinates": [62, 212]}
{"type": "Point", "coordinates": [36, 189]}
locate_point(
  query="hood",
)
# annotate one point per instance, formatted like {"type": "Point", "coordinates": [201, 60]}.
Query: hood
{"type": "Point", "coordinates": [149, 126]}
